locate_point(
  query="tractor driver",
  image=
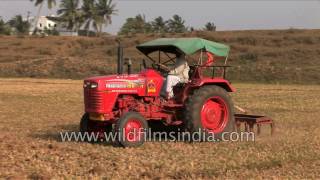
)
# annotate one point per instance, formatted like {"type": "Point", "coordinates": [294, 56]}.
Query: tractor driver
{"type": "Point", "coordinates": [179, 74]}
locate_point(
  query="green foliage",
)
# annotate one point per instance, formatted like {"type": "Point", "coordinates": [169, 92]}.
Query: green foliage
{"type": "Point", "coordinates": [138, 24]}
{"type": "Point", "coordinates": [159, 25]}
{"type": "Point", "coordinates": [134, 25]}
{"type": "Point", "coordinates": [96, 13]}
{"type": "Point", "coordinates": [4, 28]}
{"type": "Point", "coordinates": [84, 32]}
{"type": "Point", "coordinates": [210, 26]}
{"type": "Point", "coordinates": [50, 3]}
{"type": "Point", "coordinates": [176, 24]}
{"type": "Point", "coordinates": [70, 14]}
{"type": "Point", "coordinates": [53, 32]}
{"type": "Point", "coordinates": [20, 26]}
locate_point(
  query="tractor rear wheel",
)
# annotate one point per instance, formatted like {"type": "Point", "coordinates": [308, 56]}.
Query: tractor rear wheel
{"type": "Point", "coordinates": [209, 112]}
{"type": "Point", "coordinates": [131, 130]}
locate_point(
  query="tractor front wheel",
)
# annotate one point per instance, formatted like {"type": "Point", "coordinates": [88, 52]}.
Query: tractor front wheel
{"type": "Point", "coordinates": [131, 130]}
{"type": "Point", "coordinates": [93, 127]}
{"type": "Point", "coordinates": [85, 123]}
{"type": "Point", "coordinates": [209, 112]}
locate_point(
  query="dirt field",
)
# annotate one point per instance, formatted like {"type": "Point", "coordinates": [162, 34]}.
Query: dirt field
{"type": "Point", "coordinates": [34, 111]}
{"type": "Point", "coordinates": [273, 56]}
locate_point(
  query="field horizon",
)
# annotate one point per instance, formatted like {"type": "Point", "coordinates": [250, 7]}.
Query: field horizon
{"type": "Point", "coordinates": [266, 56]}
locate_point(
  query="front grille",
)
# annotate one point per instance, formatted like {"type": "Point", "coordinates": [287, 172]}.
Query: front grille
{"type": "Point", "coordinates": [93, 99]}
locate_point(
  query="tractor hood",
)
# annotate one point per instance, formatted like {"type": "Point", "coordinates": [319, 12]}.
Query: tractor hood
{"type": "Point", "coordinates": [124, 82]}
{"type": "Point", "coordinates": [112, 78]}
{"type": "Point", "coordinates": [116, 81]}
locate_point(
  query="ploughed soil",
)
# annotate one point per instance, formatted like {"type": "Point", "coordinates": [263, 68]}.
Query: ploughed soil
{"type": "Point", "coordinates": [273, 56]}
{"type": "Point", "coordinates": [34, 111]}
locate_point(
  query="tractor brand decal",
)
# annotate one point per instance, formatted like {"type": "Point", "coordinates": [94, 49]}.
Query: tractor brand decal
{"type": "Point", "coordinates": [151, 86]}
{"type": "Point", "coordinates": [135, 84]}
{"type": "Point", "coordinates": [125, 84]}
{"type": "Point", "coordinates": [116, 85]}
{"type": "Point", "coordinates": [124, 91]}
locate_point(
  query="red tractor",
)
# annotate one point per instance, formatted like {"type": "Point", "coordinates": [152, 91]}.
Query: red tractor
{"type": "Point", "coordinates": [125, 102]}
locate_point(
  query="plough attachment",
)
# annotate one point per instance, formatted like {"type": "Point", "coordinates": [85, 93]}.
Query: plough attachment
{"type": "Point", "coordinates": [249, 121]}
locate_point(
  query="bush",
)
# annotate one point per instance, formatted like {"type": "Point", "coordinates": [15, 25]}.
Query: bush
{"type": "Point", "coordinates": [52, 32]}
{"type": "Point", "coordinates": [86, 33]}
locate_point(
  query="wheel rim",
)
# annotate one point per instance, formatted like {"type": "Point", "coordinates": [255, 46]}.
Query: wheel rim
{"type": "Point", "coordinates": [133, 130]}
{"type": "Point", "coordinates": [214, 114]}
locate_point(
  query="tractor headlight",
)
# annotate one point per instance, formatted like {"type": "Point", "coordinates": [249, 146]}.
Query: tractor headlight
{"type": "Point", "coordinates": [86, 84]}
{"type": "Point", "coordinates": [93, 85]}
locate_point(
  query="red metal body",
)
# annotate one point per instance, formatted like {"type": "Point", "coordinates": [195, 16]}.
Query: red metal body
{"type": "Point", "coordinates": [117, 94]}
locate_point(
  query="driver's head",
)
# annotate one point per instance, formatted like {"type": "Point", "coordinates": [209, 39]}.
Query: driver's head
{"type": "Point", "coordinates": [179, 55]}
{"type": "Point", "coordinates": [181, 58]}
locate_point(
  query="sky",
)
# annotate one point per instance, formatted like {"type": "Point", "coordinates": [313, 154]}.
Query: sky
{"type": "Point", "coordinates": [226, 14]}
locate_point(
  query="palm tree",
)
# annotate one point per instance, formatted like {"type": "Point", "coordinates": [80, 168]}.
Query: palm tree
{"type": "Point", "coordinates": [89, 15]}
{"type": "Point", "coordinates": [39, 3]}
{"type": "Point", "coordinates": [176, 24]}
{"type": "Point", "coordinates": [4, 28]}
{"type": "Point", "coordinates": [137, 24]}
{"type": "Point", "coordinates": [105, 9]}
{"type": "Point", "coordinates": [159, 25]}
{"type": "Point", "coordinates": [97, 14]}
{"type": "Point", "coordinates": [21, 26]}
{"type": "Point", "coordinates": [70, 14]}
{"type": "Point", "coordinates": [210, 26]}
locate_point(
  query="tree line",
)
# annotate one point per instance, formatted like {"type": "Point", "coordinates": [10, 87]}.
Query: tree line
{"type": "Point", "coordinates": [77, 15]}
{"type": "Point", "coordinates": [176, 24]}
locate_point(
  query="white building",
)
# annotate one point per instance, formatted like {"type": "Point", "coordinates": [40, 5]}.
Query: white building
{"type": "Point", "coordinates": [44, 23]}
{"type": "Point", "coordinates": [50, 23]}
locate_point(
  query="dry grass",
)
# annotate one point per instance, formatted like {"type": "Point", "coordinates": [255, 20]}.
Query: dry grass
{"type": "Point", "coordinates": [33, 111]}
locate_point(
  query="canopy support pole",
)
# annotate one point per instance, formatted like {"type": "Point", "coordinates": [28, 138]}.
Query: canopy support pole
{"type": "Point", "coordinates": [201, 57]}
{"type": "Point", "coordinates": [226, 60]}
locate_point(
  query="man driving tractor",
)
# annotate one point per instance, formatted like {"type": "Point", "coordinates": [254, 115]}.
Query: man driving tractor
{"type": "Point", "coordinates": [179, 74]}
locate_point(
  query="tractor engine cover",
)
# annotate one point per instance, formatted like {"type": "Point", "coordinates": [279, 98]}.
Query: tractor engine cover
{"type": "Point", "coordinates": [101, 93]}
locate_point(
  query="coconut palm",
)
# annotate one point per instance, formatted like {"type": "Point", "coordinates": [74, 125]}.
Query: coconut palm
{"type": "Point", "coordinates": [70, 14]}
{"type": "Point", "coordinates": [21, 26]}
{"type": "Point", "coordinates": [4, 28]}
{"type": "Point", "coordinates": [40, 3]}
{"type": "Point", "coordinates": [176, 24]}
{"type": "Point", "coordinates": [159, 25]}
{"type": "Point", "coordinates": [89, 15]}
{"type": "Point", "coordinates": [137, 24]}
{"type": "Point", "coordinates": [97, 14]}
{"type": "Point", "coordinates": [105, 9]}
{"type": "Point", "coordinates": [210, 26]}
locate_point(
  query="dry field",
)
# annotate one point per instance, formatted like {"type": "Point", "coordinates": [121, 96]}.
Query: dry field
{"type": "Point", "coordinates": [34, 111]}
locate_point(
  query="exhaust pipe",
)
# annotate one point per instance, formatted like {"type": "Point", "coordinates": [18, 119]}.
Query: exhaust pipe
{"type": "Point", "coordinates": [120, 59]}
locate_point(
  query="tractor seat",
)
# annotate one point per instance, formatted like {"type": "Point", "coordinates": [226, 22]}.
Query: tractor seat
{"type": "Point", "coordinates": [179, 85]}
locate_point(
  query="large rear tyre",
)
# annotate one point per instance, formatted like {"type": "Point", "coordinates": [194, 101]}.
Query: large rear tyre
{"type": "Point", "coordinates": [209, 114]}
{"type": "Point", "coordinates": [131, 130]}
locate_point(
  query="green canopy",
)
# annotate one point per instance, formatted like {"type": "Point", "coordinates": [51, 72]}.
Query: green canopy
{"type": "Point", "coordinates": [185, 45]}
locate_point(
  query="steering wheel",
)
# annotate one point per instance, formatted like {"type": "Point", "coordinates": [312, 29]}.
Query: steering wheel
{"type": "Point", "coordinates": [144, 64]}
{"type": "Point", "coordinates": [163, 69]}
{"type": "Point", "coordinates": [161, 66]}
